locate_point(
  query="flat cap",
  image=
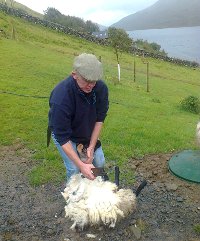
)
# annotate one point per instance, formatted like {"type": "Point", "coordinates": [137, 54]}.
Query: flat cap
{"type": "Point", "coordinates": [88, 66]}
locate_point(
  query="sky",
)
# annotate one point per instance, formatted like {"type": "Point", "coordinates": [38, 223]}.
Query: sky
{"type": "Point", "coordinates": [104, 12]}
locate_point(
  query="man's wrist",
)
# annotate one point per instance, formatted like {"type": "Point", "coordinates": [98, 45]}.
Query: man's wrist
{"type": "Point", "coordinates": [91, 147]}
{"type": "Point", "coordinates": [80, 164]}
{"type": "Point", "coordinates": [92, 144]}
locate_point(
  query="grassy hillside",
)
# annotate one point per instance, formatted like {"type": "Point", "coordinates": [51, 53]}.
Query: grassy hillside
{"type": "Point", "coordinates": [22, 7]}
{"type": "Point", "coordinates": [138, 122]}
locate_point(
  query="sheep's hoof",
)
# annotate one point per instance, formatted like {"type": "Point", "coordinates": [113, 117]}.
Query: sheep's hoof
{"type": "Point", "coordinates": [79, 229]}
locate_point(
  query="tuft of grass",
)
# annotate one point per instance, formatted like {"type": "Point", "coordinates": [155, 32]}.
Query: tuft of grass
{"type": "Point", "coordinates": [197, 228]}
{"type": "Point", "coordinates": [141, 224]}
{"type": "Point", "coordinates": [138, 122]}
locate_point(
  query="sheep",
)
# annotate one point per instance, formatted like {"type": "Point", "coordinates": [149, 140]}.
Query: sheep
{"type": "Point", "coordinates": [97, 202]}
{"type": "Point", "coordinates": [198, 133]}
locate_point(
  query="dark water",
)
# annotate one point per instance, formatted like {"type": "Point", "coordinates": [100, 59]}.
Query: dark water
{"type": "Point", "coordinates": [182, 43]}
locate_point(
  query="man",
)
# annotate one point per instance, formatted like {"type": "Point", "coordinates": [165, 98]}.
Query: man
{"type": "Point", "coordinates": [78, 107]}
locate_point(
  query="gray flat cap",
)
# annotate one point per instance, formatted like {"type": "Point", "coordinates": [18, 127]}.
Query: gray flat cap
{"type": "Point", "coordinates": [88, 66]}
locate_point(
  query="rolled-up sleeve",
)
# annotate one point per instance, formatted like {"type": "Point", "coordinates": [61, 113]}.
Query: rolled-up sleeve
{"type": "Point", "coordinates": [60, 123]}
{"type": "Point", "coordinates": [102, 103]}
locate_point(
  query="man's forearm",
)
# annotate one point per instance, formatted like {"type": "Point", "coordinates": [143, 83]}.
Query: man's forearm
{"type": "Point", "coordinates": [68, 149]}
{"type": "Point", "coordinates": [85, 168]}
{"type": "Point", "coordinates": [95, 134]}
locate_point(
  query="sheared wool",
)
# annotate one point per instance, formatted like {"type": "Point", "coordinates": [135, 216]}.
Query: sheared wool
{"type": "Point", "coordinates": [96, 202]}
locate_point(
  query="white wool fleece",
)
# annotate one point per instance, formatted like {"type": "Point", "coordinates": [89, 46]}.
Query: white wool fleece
{"type": "Point", "coordinates": [96, 202]}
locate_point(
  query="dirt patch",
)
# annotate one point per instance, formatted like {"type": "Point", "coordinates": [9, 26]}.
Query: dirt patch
{"type": "Point", "coordinates": [168, 208]}
{"type": "Point", "coordinates": [154, 168]}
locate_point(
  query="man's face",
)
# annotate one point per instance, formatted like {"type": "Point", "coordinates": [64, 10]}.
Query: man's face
{"type": "Point", "coordinates": [85, 85]}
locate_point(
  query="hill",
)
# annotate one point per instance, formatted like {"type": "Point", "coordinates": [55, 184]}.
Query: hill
{"type": "Point", "coordinates": [163, 14]}
{"type": "Point", "coordinates": [22, 7]}
{"type": "Point", "coordinates": [33, 13]}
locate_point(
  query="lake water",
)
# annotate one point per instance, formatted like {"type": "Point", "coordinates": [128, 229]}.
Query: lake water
{"type": "Point", "coordinates": [182, 43]}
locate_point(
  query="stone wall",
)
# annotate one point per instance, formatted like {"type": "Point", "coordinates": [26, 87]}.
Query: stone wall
{"type": "Point", "coordinates": [19, 13]}
{"type": "Point", "coordinates": [143, 53]}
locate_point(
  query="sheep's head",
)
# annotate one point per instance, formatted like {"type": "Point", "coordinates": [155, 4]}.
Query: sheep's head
{"type": "Point", "coordinates": [82, 151]}
{"type": "Point", "coordinates": [127, 201]}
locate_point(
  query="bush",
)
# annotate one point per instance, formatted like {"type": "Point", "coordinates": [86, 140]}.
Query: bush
{"type": "Point", "coordinates": [191, 104]}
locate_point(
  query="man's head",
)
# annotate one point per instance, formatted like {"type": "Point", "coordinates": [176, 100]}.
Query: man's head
{"type": "Point", "coordinates": [88, 67]}
{"type": "Point", "coordinates": [87, 70]}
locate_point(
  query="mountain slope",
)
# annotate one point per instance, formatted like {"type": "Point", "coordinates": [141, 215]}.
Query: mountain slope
{"type": "Point", "coordinates": [163, 14]}
{"type": "Point", "coordinates": [17, 5]}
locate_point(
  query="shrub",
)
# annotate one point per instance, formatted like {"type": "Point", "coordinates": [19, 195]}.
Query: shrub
{"type": "Point", "coordinates": [191, 104]}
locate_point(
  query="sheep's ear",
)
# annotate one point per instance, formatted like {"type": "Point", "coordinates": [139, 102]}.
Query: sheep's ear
{"type": "Point", "coordinates": [79, 148]}
{"type": "Point", "coordinates": [64, 195]}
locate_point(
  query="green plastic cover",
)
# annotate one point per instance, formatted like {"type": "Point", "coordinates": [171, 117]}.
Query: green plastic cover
{"type": "Point", "coordinates": [186, 165]}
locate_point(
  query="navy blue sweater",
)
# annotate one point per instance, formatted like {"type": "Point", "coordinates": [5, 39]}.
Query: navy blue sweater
{"type": "Point", "coordinates": [73, 113]}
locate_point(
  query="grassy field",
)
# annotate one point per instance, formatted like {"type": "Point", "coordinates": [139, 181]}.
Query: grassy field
{"type": "Point", "coordinates": [138, 122]}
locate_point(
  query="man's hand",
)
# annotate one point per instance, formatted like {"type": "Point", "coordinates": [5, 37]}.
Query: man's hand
{"type": "Point", "coordinates": [86, 171]}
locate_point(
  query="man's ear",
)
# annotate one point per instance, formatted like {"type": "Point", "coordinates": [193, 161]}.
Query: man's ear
{"type": "Point", "coordinates": [74, 75]}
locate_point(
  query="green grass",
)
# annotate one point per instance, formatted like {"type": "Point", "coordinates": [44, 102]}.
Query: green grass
{"type": "Point", "coordinates": [138, 122]}
{"type": "Point", "coordinates": [197, 228]}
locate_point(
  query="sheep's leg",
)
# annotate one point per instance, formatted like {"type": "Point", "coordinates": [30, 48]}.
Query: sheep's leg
{"type": "Point", "coordinates": [73, 226]}
{"type": "Point", "coordinates": [141, 186]}
{"type": "Point", "coordinates": [117, 172]}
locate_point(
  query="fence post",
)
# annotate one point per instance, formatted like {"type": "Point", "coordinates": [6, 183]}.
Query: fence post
{"type": "Point", "coordinates": [148, 77]}
{"type": "Point", "coordinates": [145, 61]}
{"type": "Point", "coordinates": [134, 65]}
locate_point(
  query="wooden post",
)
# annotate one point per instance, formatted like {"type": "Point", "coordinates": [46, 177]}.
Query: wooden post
{"type": "Point", "coordinates": [134, 65]}
{"type": "Point", "coordinates": [13, 36]}
{"type": "Point", "coordinates": [147, 76]}
{"type": "Point", "coordinates": [145, 61]}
